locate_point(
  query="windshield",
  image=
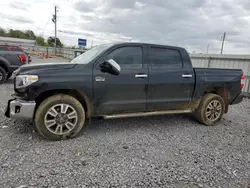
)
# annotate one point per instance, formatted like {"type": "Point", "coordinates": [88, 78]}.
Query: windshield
{"type": "Point", "coordinates": [89, 55]}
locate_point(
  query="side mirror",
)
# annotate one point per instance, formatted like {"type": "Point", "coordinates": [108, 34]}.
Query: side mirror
{"type": "Point", "coordinates": [110, 66]}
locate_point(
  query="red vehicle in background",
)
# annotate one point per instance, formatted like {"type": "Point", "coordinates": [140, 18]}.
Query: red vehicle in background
{"type": "Point", "coordinates": [11, 58]}
{"type": "Point", "coordinates": [15, 48]}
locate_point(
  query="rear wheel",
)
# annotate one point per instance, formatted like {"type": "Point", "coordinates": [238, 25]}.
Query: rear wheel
{"type": "Point", "coordinates": [59, 117]}
{"type": "Point", "coordinates": [210, 110]}
{"type": "Point", "coordinates": [2, 75]}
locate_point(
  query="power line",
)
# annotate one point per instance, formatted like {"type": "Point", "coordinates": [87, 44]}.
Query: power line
{"type": "Point", "coordinates": [45, 27]}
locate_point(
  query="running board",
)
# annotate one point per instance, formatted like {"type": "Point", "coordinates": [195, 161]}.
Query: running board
{"type": "Point", "coordinates": [140, 114]}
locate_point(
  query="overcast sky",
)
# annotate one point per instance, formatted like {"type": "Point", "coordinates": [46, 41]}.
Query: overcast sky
{"type": "Point", "coordinates": [192, 24]}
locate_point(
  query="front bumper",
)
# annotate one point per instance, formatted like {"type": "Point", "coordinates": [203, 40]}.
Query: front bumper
{"type": "Point", "coordinates": [20, 109]}
{"type": "Point", "coordinates": [237, 99]}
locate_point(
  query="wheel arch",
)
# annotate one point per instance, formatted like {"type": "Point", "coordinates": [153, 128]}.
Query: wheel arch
{"type": "Point", "coordinates": [222, 92]}
{"type": "Point", "coordinates": [79, 95]}
{"type": "Point", "coordinates": [3, 65]}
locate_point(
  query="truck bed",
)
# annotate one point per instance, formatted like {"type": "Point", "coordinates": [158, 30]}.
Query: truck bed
{"type": "Point", "coordinates": [216, 77]}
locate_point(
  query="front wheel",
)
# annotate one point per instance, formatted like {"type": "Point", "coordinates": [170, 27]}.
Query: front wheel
{"type": "Point", "coordinates": [60, 117]}
{"type": "Point", "coordinates": [210, 110]}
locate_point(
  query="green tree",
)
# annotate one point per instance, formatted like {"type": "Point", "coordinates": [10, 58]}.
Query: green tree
{"type": "Point", "coordinates": [51, 42]}
{"type": "Point", "coordinates": [16, 34]}
{"type": "Point", "coordinates": [30, 35]}
{"type": "Point", "coordinates": [2, 32]}
{"type": "Point", "coordinates": [40, 41]}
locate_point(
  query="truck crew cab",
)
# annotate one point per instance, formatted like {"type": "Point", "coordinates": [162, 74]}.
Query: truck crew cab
{"type": "Point", "coordinates": [120, 80]}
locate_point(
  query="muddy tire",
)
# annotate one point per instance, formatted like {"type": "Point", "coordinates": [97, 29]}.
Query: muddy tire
{"type": "Point", "coordinates": [59, 117]}
{"type": "Point", "coordinates": [3, 75]}
{"type": "Point", "coordinates": [210, 110]}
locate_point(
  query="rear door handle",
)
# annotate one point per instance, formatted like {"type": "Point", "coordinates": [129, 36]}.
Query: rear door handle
{"type": "Point", "coordinates": [141, 76]}
{"type": "Point", "coordinates": [187, 76]}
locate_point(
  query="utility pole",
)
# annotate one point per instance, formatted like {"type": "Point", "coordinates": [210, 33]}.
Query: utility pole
{"type": "Point", "coordinates": [223, 40]}
{"type": "Point", "coordinates": [207, 48]}
{"type": "Point", "coordinates": [54, 19]}
{"type": "Point", "coordinates": [55, 28]}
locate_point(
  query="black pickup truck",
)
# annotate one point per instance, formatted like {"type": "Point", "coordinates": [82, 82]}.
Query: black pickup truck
{"type": "Point", "coordinates": [120, 80]}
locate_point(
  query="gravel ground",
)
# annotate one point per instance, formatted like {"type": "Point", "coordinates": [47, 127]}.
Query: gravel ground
{"type": "Point", "coordinates": [159, 151]}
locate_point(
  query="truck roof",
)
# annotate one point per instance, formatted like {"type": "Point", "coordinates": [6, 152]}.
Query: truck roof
{"type": "Point", "coordinates": [144, 43]}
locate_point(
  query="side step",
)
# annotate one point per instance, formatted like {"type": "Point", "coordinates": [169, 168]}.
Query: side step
{"type": "Point", "coordinates": [140, 114]}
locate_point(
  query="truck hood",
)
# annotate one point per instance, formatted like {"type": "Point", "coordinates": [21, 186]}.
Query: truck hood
{"type": "Point", "coordinates": [39, 66]}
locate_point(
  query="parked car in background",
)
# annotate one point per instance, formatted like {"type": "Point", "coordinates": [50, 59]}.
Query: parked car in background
{"type": "Point", "coordinates": [121, 80]}
{"type": "Point", "coordinates": [16, 49]}
{"type": "Point", "coordinates": [11, 59]}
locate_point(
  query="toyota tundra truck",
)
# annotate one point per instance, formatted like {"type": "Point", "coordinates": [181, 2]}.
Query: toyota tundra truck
{"type": "Point", "coordinates": [117, 81]}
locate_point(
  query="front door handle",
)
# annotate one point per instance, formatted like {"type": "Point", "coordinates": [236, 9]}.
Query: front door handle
{"type": "Point", "coordinates": [141, 75]}
{"type": "Point", "coordinates": [187, 76]}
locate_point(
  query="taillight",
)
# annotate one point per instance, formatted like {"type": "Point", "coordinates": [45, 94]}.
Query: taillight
{"type": "Point", "coordinates": [242, 78]}
{"type": "Point", "coordinates": [22, 58]}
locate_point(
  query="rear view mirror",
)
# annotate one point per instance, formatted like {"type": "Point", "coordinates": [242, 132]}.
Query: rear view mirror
{"type": "Point", "coordinates": [110, 66]}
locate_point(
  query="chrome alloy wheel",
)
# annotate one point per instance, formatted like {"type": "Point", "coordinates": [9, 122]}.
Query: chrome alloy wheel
{"type": "Point", "coordinates": [213, 110]}
{"type": "Point", "coordinates": [61, 119]}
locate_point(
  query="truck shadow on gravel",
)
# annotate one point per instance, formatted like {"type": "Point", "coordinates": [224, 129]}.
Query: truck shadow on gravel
{"type": "Point", "coordinates": [127, 125]}
{"type": "Point", "coordinates": [102, 126]}
{"type": "Point", "coordinates": [139, 122]}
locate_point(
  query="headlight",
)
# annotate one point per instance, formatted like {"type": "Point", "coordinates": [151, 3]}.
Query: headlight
{"type": "Point", "coordinates": [23, 81]}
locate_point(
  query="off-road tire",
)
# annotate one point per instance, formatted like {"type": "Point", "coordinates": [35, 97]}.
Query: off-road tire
{"type": "Point", "coordinates": [3, 75]}
{"type": "Point", "coordinates": [200, 113]}
{"type": "Point", "coordinates": [47, 104]}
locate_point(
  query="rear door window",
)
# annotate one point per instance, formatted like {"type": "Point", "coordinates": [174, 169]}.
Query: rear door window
{"type": "Point", "coordinates": [164, 58]}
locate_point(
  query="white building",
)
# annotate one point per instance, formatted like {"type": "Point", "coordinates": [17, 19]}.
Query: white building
{"type": "Point", "coordinates": [26, 44]}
